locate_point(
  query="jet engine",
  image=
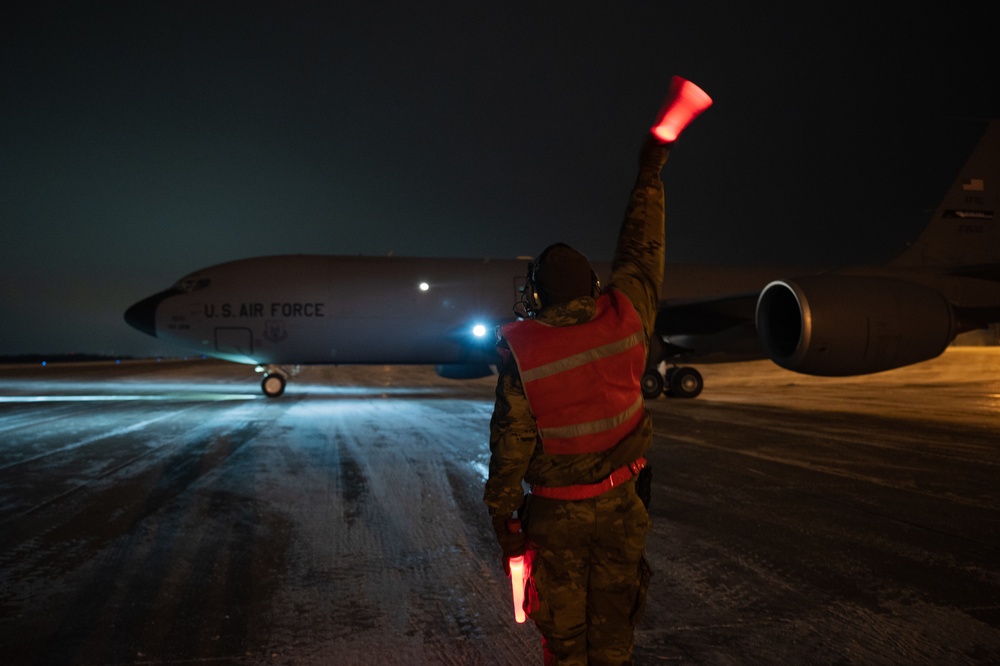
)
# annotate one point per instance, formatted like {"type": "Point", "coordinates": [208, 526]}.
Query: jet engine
{"type": "Point", "coordinates": [838, 325]}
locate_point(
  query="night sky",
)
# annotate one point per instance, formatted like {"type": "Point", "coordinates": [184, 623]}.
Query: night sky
{"type": "Point", "coordinates": [142, 140]}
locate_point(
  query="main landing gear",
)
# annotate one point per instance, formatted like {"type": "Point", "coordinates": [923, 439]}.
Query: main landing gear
{"type": "Point", "coordinates": [677, 382]}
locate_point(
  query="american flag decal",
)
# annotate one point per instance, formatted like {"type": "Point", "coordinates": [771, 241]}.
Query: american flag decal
{"type": "Point", "coordinates": [973, 185]}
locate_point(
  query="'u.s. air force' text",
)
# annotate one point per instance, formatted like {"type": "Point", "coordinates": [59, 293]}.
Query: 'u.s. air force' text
{"type": "Point", "coordinates": [225, 310]}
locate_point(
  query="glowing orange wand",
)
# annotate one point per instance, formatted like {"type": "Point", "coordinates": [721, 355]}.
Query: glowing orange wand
{"type": "Point", "coordinates": [684, 102]}
{"type": "Point", "coordinates": [516, 567]}
{"type": "Point", "coordinates": [517, 586]}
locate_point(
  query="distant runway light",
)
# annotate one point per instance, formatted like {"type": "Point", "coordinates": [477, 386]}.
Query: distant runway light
{"type": "Point", "coordinates": [424, 286]}
{"type": "Point", "coordinates": [479, 330]}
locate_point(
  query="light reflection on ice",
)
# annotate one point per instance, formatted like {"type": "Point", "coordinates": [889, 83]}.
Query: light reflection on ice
{"type": "Point", "coordinates": [20, 392]}
{"type": "Point", "coordinates": [118, 398]}
{"type": "Point", "coordinates": [481, 469]}
{"type": "Point", "coordinates": [320, 390]}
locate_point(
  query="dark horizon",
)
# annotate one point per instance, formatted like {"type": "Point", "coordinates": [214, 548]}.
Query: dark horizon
{"type": "Point", "coordinates": [142, 141]}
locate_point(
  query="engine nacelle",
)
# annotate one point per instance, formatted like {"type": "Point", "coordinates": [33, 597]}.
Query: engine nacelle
{"type": "Point", "coordinates": [837, 325]}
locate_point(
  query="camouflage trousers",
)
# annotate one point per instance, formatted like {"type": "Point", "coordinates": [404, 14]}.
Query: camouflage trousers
{"type": "Point", "coordinates": [589, 577]}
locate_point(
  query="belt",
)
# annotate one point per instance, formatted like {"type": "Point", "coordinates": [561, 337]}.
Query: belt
{"type": "Point", "coordinates": [588, 490]}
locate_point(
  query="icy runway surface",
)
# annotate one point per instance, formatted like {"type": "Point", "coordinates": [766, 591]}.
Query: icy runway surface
{"type": "Point", "coordinates": [168, 513]}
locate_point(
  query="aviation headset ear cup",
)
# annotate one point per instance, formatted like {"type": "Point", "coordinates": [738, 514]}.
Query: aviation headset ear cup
{"type": "Point", "coordinates": [534, 303]}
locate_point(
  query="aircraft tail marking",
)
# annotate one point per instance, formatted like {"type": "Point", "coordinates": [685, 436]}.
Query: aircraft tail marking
{"type": "Point", "coordinates": [965, 228]}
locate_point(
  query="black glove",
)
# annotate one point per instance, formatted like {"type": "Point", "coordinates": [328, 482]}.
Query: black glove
{"type": "Point", "coordinates": [512, 543]}
{"type": "Point", "coordinates": [654, 154]}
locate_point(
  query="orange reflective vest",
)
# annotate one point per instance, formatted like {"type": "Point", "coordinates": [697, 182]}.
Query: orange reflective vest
{"type": "Point", "coordinates": [582, 381]}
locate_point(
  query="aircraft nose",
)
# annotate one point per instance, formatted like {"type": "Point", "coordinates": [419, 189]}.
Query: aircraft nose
{"type": "Point", "coordinates": [142, 315]}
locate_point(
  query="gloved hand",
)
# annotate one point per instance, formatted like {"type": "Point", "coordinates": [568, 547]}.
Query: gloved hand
{"type": "Point", "coordinates": [511, 543]}
{"type": "Point", "coordinates": [654, 154]}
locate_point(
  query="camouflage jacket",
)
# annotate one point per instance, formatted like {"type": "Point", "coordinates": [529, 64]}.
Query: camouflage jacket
{"type": "Point", "coordinates": [637, 271]}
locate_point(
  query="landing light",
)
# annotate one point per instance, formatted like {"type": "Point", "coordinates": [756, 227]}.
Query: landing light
{"type": "Point", "coordinates": [479, 330]}
{"type": "Point", "coordinates": [424, 286]}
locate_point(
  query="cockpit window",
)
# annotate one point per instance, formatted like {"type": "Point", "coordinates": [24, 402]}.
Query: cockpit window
{"type": "Point", "coordinates": [192, 283]}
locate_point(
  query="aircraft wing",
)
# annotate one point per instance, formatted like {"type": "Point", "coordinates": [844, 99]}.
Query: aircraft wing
{"type": "Point", "coordinates": [705, 317]}
{"type": "Point", "coordinates": [720, 329]}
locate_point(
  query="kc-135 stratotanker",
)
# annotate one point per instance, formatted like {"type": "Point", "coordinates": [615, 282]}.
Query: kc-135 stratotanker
{"type": "Point", "coordinates": [277, 312]}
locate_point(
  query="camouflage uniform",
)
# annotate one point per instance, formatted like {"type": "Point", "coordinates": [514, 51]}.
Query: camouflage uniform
{"type": "Point", "coordinates": [588, 573]}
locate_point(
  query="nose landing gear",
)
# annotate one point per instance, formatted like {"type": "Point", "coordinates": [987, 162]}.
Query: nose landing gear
{"type": "Point", "coordinates": [273, 385]}
{"type": "Point", "coordinates": [275, 380]}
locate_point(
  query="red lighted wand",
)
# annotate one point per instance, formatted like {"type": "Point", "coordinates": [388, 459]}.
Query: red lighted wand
{"type": "Point", "coordinates": [517, 586]}
{"type": "Point", "coordinates": [517, 574]}
{"type": "Point", "coordinates": [683, 103]}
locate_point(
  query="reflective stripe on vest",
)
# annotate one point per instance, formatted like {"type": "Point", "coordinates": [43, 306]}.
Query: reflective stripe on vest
{"type": "Point", "coordinates": [582, 381]}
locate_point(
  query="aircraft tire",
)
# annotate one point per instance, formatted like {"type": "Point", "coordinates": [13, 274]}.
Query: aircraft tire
{"type": "Point", "coordinates": [666, 381]}
{"type": "Point", "coordinates": [686, 383]}
{"type": "Point", "coordinates": [273, 385]}
{"type": "Point", "coordinates": [652, 384]}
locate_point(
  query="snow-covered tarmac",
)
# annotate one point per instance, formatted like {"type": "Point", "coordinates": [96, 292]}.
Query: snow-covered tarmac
{"type": "Point", "coordinates": [168, 513]}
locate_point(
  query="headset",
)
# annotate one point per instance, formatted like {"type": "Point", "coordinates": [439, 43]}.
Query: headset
{"type": "Point", "coordinates": [530, 304]}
